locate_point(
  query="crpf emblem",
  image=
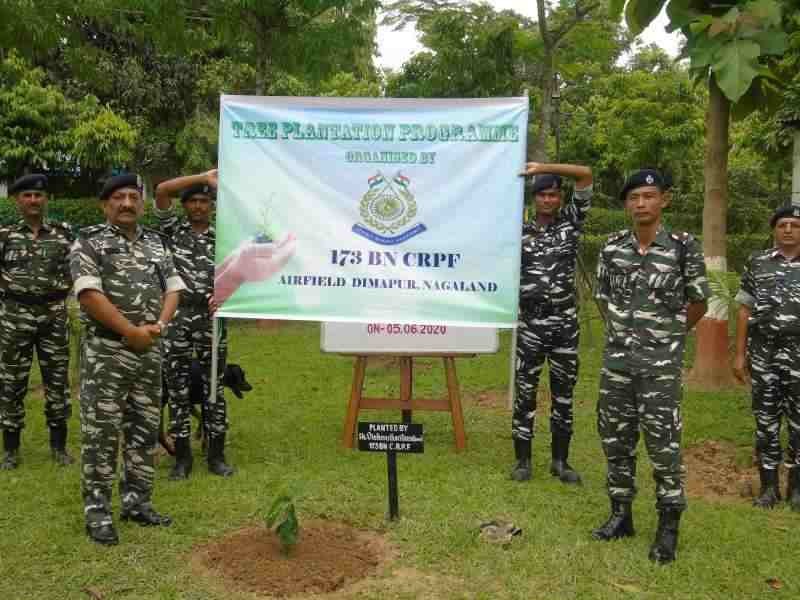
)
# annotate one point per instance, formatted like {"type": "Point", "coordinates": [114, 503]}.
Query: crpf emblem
{"type": "Point", "coordinates": [388, 210]}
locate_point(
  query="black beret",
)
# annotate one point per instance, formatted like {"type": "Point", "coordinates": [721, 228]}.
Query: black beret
{"type": "Point", "coordinates": [35, 181]}
{"type": "Point", "coordinates": [545, 181]}
{"type": "Point", "coordinates": [787, 210]}
{"type": "Point", "coordinates": [112, 184]}
{"type": "Point", "coordinates": [642, 178]}
{"type": "Point", "coordinates": [198, 188]}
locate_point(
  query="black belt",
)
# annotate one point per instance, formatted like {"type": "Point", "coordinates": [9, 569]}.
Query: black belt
{"type": "Point", "coordinates": [194, 302]}
{"type": "Point", "coordinates": [543, 309]}
{"type": "Point", "coordinates": [36, 300]}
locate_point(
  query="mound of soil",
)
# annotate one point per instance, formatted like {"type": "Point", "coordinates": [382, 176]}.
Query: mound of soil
{"type": "Point", "coordinates": [712, 472]}
{"type": "Point", "coordinates": [327, 557]}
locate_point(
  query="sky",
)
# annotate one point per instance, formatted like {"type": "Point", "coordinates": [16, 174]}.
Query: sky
{"type": "Point", "coordinates": [395, 47]}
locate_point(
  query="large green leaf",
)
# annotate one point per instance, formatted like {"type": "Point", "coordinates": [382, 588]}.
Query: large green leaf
{"type": "Point", "coordinates": [766, 11]}
{"type": "Point", "coordinates": [771, 42]}
{"type": "Point", "coordinates": [640, 13]}
{"type": "Point", "coordinates": [680, 14]}
{"type": "Point", "coordinates": [735, 67]}
{"type": "Point", "coordinates": [615, 8]}
{"type": "Point", "coordinates": [703, 50]}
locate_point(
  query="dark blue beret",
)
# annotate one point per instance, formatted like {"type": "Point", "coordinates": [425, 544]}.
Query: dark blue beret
{"type": "Point", "coordinates": [112, 184]}
{"type": "Point", "coordinates": [545, 181]}
{"type": "Point", "coordinates": [35, 181]}
{"type": "Point", "coordinates": [787, 210]}
{"type": "Point", "coordinates": [198, 188]}
{"type": "Point", "coordinates": [642, 178]}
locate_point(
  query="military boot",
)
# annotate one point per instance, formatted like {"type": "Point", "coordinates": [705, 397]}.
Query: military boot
{"type": "Point", "coordinates": [58, 445]}
{"type": "Point", "coordinates": [522, 471]}
{"type": "Point", "coordinates": [183, 459]}
{"type": "Point", "coordinates": [793, 489]}
{"type": "Point", "coordinates": [770, 492]}
{"type": "Point", "coordinates": [559, 467]}
{"type": "Point", "coordinates": [145, 515]}
{"type": "Point", "coordinates": [216, 456]}
{"type": "Point", "coordinates": [665, 547]}
{"type": "Point", "coordinates": [11, 447]}
{"type": "Point", "coordinates": [99, 526]}
{"type": "Point", "coordinates": [619, 524]}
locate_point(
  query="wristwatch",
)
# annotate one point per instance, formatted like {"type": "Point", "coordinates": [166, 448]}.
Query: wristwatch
{"type": "Point", "coordinates": [161, 326]}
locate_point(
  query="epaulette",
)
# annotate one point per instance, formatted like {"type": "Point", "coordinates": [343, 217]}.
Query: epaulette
{"type": "Point", "coordinates": [91, 230]}
{"type": "Point", "coordinates": [616, 236]}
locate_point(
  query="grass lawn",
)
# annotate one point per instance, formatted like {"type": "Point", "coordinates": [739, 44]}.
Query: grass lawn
{"type": "Point", "coordinates": [285, 437]}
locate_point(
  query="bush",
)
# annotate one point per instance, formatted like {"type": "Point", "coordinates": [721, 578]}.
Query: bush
{"type": "Point", "coordinates": [78, 212]}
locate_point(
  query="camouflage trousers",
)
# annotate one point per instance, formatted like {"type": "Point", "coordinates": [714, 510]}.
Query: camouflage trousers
{"type": "Point", "coordinates": [555, 339]}
{"type": "Point", "coordinates": [120, 394]}
{"type": "Point", "coordinates": [24, 327]}
{"type": "Point", "coordinates": [189, 335]}
{"type": "Point", "coordinates": [652, 403]}
{"type": "Point", "coordinates": [775, 370]}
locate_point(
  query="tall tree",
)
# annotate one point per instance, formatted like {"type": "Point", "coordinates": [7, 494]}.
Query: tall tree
{"type": "Point", "coordinates": [729, 44]}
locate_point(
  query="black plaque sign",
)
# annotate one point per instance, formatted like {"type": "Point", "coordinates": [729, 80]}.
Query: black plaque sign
{"type": "Point", "coordinates": [390, 437]}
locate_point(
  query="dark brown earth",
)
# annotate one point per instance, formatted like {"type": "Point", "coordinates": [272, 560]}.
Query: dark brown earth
{"type": "Point", "coordinates": [328, 556]}
{"type": "Point", "coordinates": [714, 473]}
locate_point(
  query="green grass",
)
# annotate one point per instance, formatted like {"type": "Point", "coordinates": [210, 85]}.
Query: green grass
{"type": "Point", "coordinates": [285, 438]}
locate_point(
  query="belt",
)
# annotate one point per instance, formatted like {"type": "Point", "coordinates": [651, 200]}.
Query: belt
{"type": "Point", "coordinates": [194, 302]}
{"type": "Point", "coordinates": [544, 309]}
{"type": "Point", "coordinates": [36, 300]}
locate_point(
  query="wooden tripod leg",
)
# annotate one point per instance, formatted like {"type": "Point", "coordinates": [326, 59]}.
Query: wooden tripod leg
{"type": "Point", "coordinates": [359, 370]}
{"type": "Point", "coordinates": [454, 397]}
{"type": "Point", "coordinates": [406, 385]}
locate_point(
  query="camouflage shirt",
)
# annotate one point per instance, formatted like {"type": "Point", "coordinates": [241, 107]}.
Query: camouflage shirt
{"type": "Point", "coordinates": [771, 289]}
{"type": "Point", "coordinates": [647, 295]}
{"type": "Point", "coordinates": [133, 275]}
{"type": "Point", "coordinates": [193, 254]}
{"type": "Point", "coordinates": [548, 253]}
{"type": "Point", "coordinates": [39, 266]}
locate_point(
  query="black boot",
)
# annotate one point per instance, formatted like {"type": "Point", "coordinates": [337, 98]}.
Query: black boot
{"type": "Point", "coordinates": [11, 446]}
{"type": "Point", "coordinates": [522, 471]}
{"type": "Point", "coordinates": [216, 456]}
{"type": "Point", "coordinates": [99, 526]}
{"type": "Point", "coordinates": [559, 467]}
{"type": "Point", "coordinates": [183, 459]}
{"type": "Point", "coordinates": [58, 445]}
{"type": "Point", "coordinates": [665, 547]}
{"type": "Point", "coordinates": [145, 515]}
{"type": "Point", "coordinates": [770, 491]}
{"type": "Point", "coordinates": [619, 524]}
{"type": "Point", "coordinates": [793, 489]}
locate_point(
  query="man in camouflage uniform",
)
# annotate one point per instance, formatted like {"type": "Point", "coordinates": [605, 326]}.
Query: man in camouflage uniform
{"type": "Point", "coordinates": [768, 333]}
{"type": "Point", "coordinates": [191, 240]}
{"type": "Point", "coordinates": [34, 284]}
{"type": "Point", "coordinates": [653, 283]}
{"type": "Point", "coordinates": [548, 321]}
{"type": "Point", "coordinates": [128, 288]}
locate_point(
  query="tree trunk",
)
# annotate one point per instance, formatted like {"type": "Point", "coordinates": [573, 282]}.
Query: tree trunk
{"type": "Point", "coordinates": [712, 367]}
{"type": "Point", "coordinates": [796, 168]}
{"type": "Point", "coordinates": [538, 151]}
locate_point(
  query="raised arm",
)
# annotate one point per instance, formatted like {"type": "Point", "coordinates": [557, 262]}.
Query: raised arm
{"type": "Point", "coordinates": [172, 187]}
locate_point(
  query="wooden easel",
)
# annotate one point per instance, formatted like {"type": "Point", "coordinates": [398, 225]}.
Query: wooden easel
{"type": "Point", "coordinates": [405, 402]}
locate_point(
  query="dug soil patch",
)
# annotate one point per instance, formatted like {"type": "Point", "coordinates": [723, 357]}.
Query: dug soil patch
{"type": "Point", "coordinates": [327, 557]}
{"type": "Point", "coordinates": [712, 473]}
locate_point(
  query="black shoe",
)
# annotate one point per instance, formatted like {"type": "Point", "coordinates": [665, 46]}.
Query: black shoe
{"type": "Point", "coordinates": [793, 489]}
{"type": "Point", "coordinates": [99, 526]}
{"type": "Point", "coordinates": [216, 457]}
{"type": "Point", "coordinates": [619, 524]}
{"type": "Point", "coordinates": [665, 547]}
{"type": "Point", "coordinates": [559, 467]}
{"type": "Point", "coordinates": [58, 446]}
{"type": "Point", "coordinates": [770, 491]}
{"type": "Point", "coordinates": [145, 515]}
{"type": "Point", "coordinates": [522, 470]}
{"type": "Point", "coordinates": [183, 459]}
{"type": "Point", "coordinates": [11, 446]}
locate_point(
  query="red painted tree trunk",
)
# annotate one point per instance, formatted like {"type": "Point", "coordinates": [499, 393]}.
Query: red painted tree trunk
{"type": "Point", "coordinates": [712, 368]}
